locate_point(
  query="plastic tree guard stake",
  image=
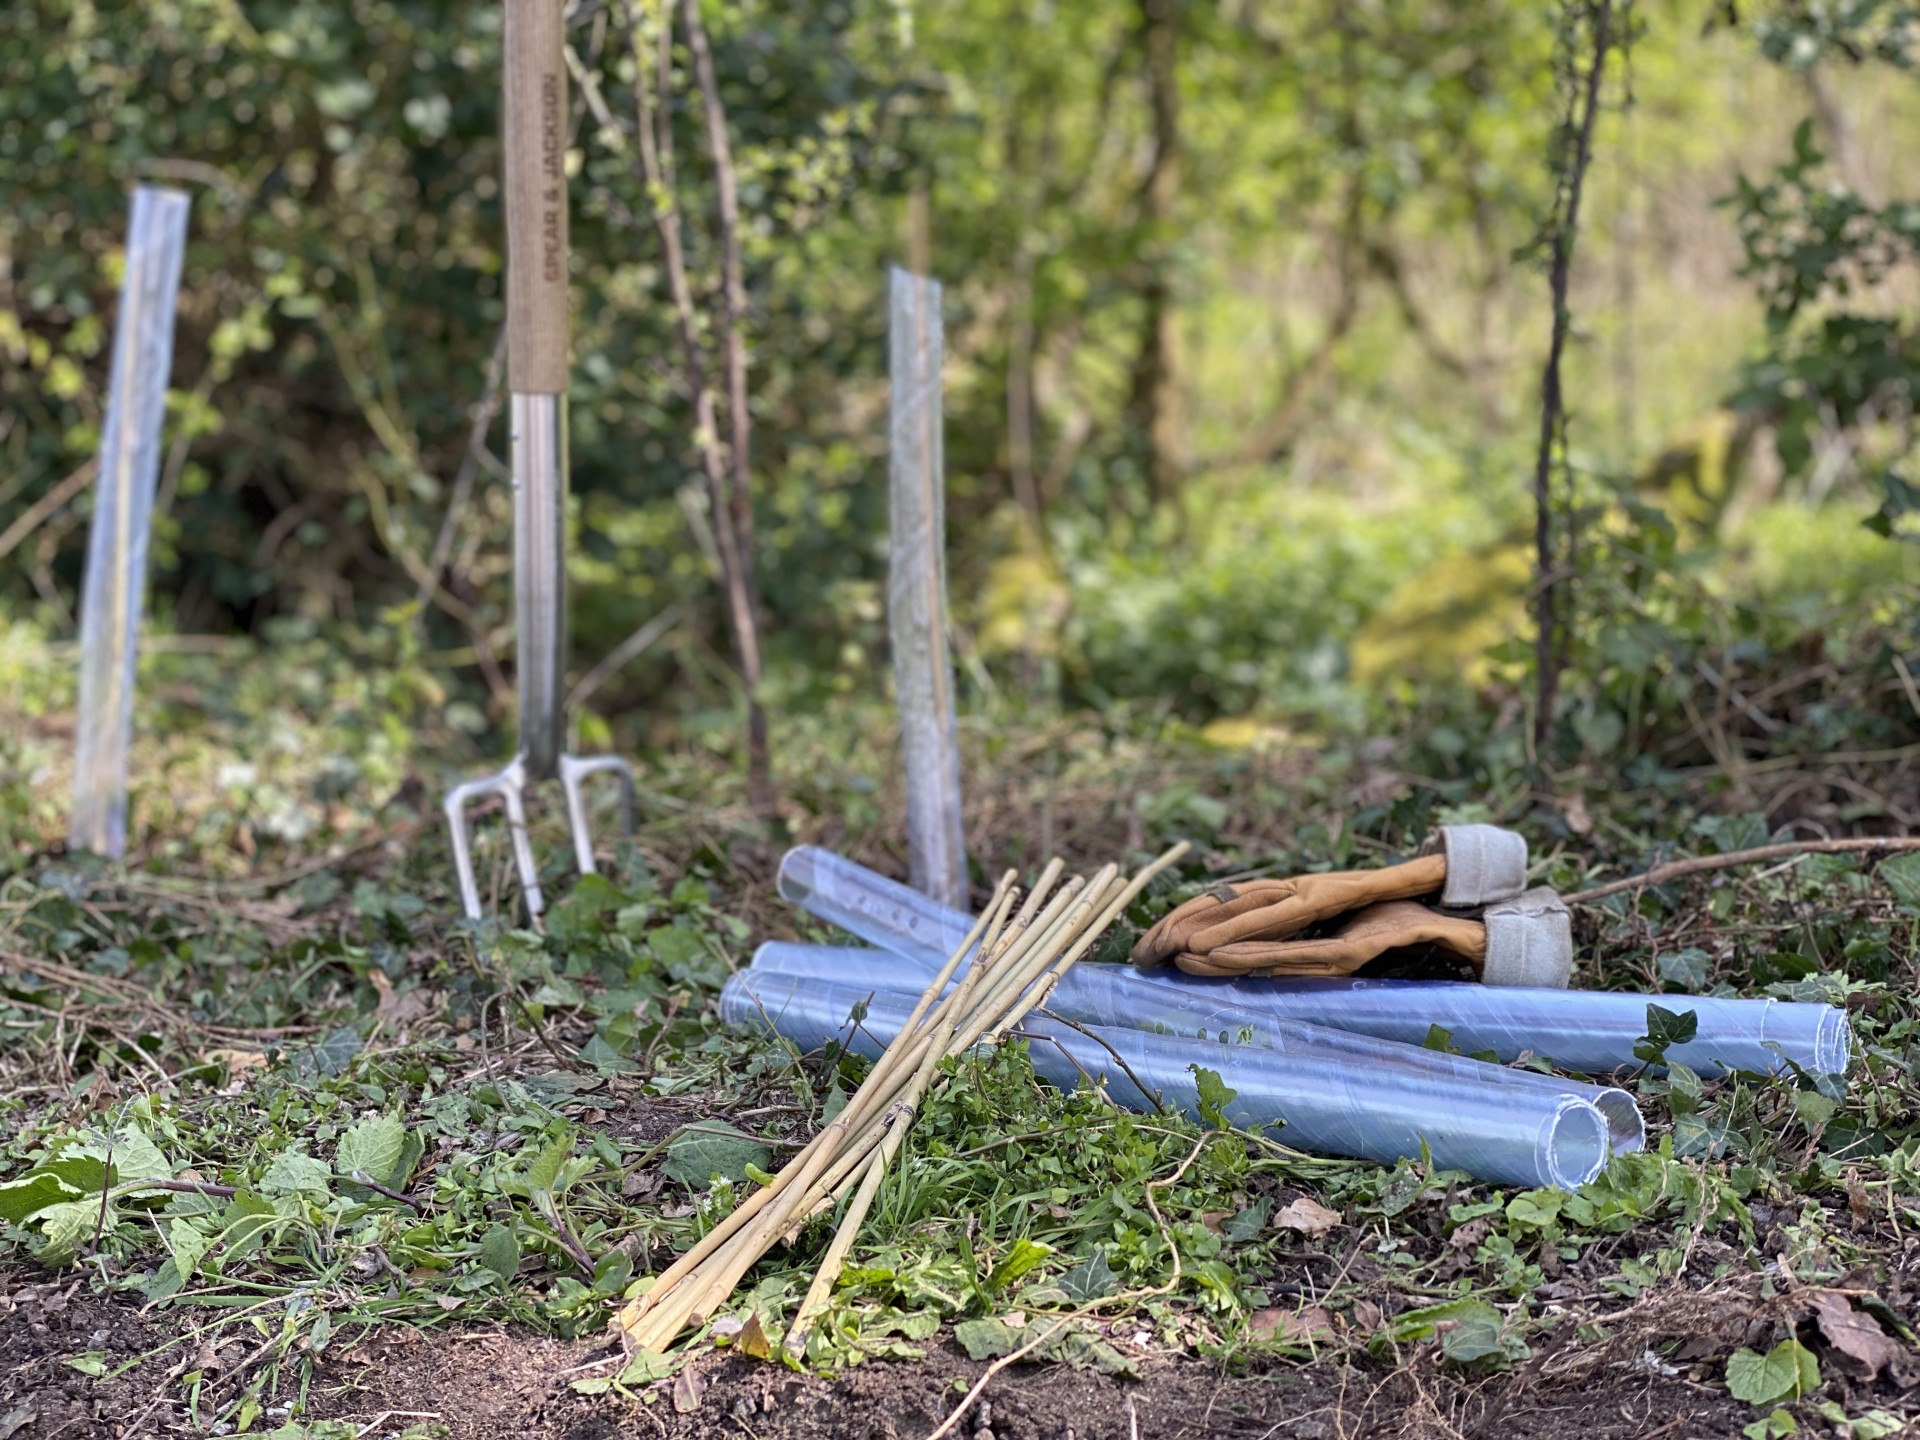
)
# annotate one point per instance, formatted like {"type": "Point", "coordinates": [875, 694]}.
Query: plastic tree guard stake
{"type": "Point", "coordinates": [1327, 1102]}
{"type": "Point", "coordinates": [1589, 1031]}
{"type": "Point", "coordinates": [917, 593]}
{"type": "Point", "coordinates": [1107, 995]}
{"type": "Point", "coordinates": [129, 466]}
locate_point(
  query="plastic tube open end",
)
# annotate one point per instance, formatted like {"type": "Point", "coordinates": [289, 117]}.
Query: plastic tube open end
{"type": "Point", "coordinates": [1626, 1128]}
{"type": "Point", "coordinates": [1576, 1146]}
{"type": "Point", "coordinates": [1833, 1043]}
{"type": "Point", "coordinates": [795, 881]}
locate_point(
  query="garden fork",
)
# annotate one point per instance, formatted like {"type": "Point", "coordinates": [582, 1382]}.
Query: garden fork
{"type": "Point", "coordinates": [535, 144]}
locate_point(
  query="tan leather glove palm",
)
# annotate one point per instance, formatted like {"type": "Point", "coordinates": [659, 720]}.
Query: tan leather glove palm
{"type": "Point", "coordinates": [1264, 910]}
{"type": "Point", "coordinates": [1255, 928]}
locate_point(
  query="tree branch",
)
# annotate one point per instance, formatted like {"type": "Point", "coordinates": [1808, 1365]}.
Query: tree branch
{"type": "Point", "coordinates": [1550, 640]}
{"type": "Point", "coordinates": [1700, 864]}
{"type": "Point", "coordinates": [745, 599]}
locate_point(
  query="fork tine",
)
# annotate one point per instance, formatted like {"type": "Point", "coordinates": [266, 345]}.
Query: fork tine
{"type": "Point", "coordinates": [513, 791]}
{"type": "Point", "coordinates": [574, 771]}
{"type": "Point", "coordinates": [455, 806]}
{"type": "Point", "coordinates": [510, 785]}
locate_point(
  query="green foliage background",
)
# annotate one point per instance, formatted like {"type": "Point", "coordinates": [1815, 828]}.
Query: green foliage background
{"type": "Point", "coordinates": [1356, 343]}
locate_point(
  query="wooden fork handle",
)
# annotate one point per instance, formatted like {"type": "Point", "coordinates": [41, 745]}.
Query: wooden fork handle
{"type": "Point", "coordinates": [535, 143]}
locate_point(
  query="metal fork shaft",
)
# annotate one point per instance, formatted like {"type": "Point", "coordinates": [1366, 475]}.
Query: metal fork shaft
{"type": "Point", "coordinates": [539, 424]}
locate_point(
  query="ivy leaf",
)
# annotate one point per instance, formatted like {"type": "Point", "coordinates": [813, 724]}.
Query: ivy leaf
{"type": "Point", "coordinates": [1685, 969]}
{"type": "Point", "coordinates": [685, 955]}
{"type": "Point", "coordinates": [711, 1148]}
{"type": "Point", "coordinates": [1812, 1108]}
{"type": "Point", "coordinates": [1250, 1221]}
{"type": "Point", "coordinates": [1902, 876]}
{"type": "Point", "coordinates": [372, 1147]}
{"type": "Point", "coordinates": [1665, 1028]}
{"type": "Point", "coordinates": [1089, 1280]}
{"type": "Point", "coordinates": [1789, 1370]}
{"type": "Point", "coordinates": [328, 1058]}
{"type": "Point", "coordinates": [1214, 1097]}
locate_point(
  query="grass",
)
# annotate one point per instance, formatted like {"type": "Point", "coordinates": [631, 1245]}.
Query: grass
{"type": "Point", "coordinates": [290, 1099]}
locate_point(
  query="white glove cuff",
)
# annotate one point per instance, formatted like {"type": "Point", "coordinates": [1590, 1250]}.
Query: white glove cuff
{"type": "Point", "coordinates": [1529, 942]}
{"type": "Point", "coordinates": [1485, 864]}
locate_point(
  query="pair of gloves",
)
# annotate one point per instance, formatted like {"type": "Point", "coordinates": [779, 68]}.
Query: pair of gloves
{"type": "Point", "coordinates": [1477, 874]}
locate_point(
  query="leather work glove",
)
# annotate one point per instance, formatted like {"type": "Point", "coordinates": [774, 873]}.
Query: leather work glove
{"type": "Point", "coordinates": [1524, 941]}
{"type": "Point", "coordinates": [1464, 865]}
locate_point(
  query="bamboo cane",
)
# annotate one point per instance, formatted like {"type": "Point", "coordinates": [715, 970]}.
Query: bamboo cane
{"type": "Point", "coordinates": [1021, 955]}
{"type": "Point", "coordinates": [754, 1203]}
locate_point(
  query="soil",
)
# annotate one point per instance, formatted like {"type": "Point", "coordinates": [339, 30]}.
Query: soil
{"type": "Point", "coordinates": [490, 1384]}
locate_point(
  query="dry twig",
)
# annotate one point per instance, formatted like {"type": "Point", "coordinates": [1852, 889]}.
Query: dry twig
{"type": "Point", "coordinates": [1700, 864]}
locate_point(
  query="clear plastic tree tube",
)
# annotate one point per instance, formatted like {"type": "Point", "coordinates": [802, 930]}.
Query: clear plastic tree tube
{"type": "Point", "coordinates": [1107, 995]}
{"type": "Point", "coordinates": [917, 591]}
{"type": "Point", "coordinates": [878, 910]}
{"type": "Point", "coordinates": [1590, 1031]}
{"type": "Point", "coordinates": [115, 587]}
{"type": "Point", "coordinates": [1324, 1103]}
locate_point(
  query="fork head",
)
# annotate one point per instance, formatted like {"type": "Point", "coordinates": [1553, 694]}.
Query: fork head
{"type": "Point", "coordinates": [511, 784]}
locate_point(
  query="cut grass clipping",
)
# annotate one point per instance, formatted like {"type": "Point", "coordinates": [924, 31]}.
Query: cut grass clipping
{"type": "Point", "coordinates": [1022, 955]}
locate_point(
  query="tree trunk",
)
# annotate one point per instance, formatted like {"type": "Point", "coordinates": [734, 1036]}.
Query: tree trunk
{"type": "Point", "coordinates": [1154, 404]}
{"type": "Point", "coordinates": [744, 598]}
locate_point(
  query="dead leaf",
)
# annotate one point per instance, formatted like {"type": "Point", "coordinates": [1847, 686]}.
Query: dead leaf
{"type": "Point", "coordinates": [1469, 1235]}
{"type": "Point", "coordinates": [1367, 1317]}
{"type": "Point", "coordinates": [1857, 1199]}
{"type": "Point", "coordinates": [234, 1060]}
{"type": "Point", "coordinates": [753, 1340]}
{"type": "Point", "coordinates": [1288, 1327]}
{"type": "Point", "coordinates": [686, 1391]}
{"type": "Point", "coordinates": [1579, 821]}
{"type": "Point", "coordinates": [1309, 1217]}
{"type": "Point", "coordinates": [400, 1009]}
{"type": "Point", "coordinates": [1214, 1220]}
{"type": "Point", "coordinates": [1856, 1335]}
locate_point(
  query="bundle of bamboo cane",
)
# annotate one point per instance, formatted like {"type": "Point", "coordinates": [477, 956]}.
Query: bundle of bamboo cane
{"type": "Point", "coordinates": [1021, 954]}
